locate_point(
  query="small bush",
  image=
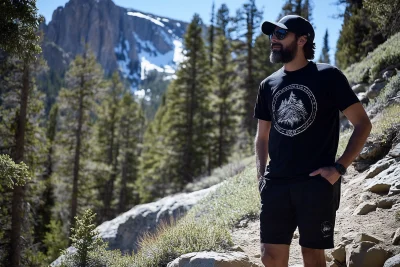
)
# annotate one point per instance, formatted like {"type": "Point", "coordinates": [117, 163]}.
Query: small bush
{"type": "Point", "coordinates": [391, 90]}
{"type": "Point", "coordinates": [390, 116]}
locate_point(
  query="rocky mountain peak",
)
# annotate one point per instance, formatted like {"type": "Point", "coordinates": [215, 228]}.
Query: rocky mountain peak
{"type": "Point", "coordinates": [127, 40]}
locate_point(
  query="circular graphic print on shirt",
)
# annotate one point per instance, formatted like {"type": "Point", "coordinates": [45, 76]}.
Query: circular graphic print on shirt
{"type": "Point", "coordinates": [294, 109]}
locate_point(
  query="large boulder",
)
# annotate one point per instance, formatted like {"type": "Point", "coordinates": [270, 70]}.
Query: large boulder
{"type": "Point", "coordinates": [124, 231]}
{"type": "Point", "coordinates": [361, 237]}
{"type": "Point", "coordinates": [212, 259]}
{"type": "Point", "coordinates": [365, 254]}
{"type": "Point", "coordinates": [380, 166]}
{"type": "Point", "coordinates": [393, 261]}
{"type": "Point", "coordinates": [360, 88]}
{"type": "Point", "coordinates": [375, 88]}
{"type": "Point", "coordinates": [386, 182]}
{"type": "Point", "coordinates": [373, 151]}
{"type": "Point", "coordinates": [395, 152]}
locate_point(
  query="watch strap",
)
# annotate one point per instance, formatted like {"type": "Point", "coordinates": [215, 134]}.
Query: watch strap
{"type": "Point", "coordinates": [340, 168]}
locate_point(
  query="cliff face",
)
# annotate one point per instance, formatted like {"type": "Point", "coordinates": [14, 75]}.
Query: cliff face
{"type": "Point", "coordinates": [125, 39]}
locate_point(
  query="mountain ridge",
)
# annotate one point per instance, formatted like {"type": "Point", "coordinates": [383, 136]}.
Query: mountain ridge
{"type": "Point", "coordinates": [125, 39]}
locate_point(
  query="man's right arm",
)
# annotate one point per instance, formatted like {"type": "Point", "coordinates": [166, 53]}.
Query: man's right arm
{"type": "Point", "coordinates": [261, 146]}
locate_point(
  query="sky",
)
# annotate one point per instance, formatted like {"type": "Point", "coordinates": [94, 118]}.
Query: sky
{"type": "Point", "coordinates": [322, 14]}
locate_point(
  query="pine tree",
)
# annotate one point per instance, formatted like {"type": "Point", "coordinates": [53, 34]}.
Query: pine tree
{"type": "Point", "coordinates": [247, 22]}
{"type": "Point", "coordinates": [18, 24]}
{"type": "Point", "coordinates": [107, 145]}
{"type": "Point", "coordinates": [324, 58]}
{"type": "Point", "coordinates": [131, 124]}
{"type": "Point", "coordinates": [223, 19]}
{"type": "Point", "coordinates": [20, 112]}
{"type": "Point", "coordinates": [46, 204]}
{"type": "Point", "coordinates": [185, 123]}
{"type": "Point", "coordinates": [306, 11]}
{"type": "Point", "coordinates": [297, 7]}
{"type": "Point", "coordinates": [154, 175]}
{"type": "Point", "coordinates": [78, 102]}
{"type": "Point", "coordinates": [193, 85]}
{"type": "Point", "coordinates": [287, 9]}
{"type": "Point", "coordinates": [12, 175]}
{"type": "Point", "coordinates": [224, 104]}
{"type": "Point", "coordinates": [85, 239]}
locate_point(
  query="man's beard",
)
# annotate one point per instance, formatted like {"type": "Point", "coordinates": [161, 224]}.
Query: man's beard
{"type": "Point", "coordinates": [283, 55]}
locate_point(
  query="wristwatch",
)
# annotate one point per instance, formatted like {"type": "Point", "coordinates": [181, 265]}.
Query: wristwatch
{"type": "Point", "coordinates": [340, 168]}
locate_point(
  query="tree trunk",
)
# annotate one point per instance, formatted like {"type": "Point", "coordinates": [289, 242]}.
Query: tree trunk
{"type": "Point", "coordinates": [17, 213]}
{"type": "Point", "coordinates": [250, 93]}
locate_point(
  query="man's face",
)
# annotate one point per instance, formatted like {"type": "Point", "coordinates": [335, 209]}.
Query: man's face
{"type": "Point", "coordinates": [283, 51]}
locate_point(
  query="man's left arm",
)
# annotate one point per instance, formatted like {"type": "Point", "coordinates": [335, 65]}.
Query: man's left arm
{"type": "Point", "coordinates": [356, 114]}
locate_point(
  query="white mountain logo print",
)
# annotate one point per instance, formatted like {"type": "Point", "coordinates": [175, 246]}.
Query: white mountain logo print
{"type": "Point", "coordinates": [294, 108]}
{"type": "Point", "coordinates": [291, 111]}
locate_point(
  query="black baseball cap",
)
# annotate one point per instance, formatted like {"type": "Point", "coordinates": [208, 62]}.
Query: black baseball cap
{"type": "Point", "coordinates": [293, 23]}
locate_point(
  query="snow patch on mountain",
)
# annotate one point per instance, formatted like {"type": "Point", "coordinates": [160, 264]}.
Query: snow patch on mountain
{"type": "Point", "coordinates": [123, 60]}
{"type": "Point", "coordinates": [143, 16]}
{"type": "Point", "coordinates": [152, 59]}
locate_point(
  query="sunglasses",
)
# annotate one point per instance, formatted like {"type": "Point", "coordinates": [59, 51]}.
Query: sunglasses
{"type": "Point", "coordinates": [280, 34]}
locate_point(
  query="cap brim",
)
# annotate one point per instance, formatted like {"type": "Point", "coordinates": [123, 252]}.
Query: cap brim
{"type": "Point", "coordinates": [268, 27]}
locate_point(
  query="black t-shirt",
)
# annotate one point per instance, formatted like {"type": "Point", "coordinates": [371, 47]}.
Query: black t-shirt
{"type": "Point", "coordinates": [303, 107]}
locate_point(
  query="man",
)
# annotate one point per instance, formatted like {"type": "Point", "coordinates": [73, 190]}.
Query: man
{"type": "Point", "coordinates": [297, 108]}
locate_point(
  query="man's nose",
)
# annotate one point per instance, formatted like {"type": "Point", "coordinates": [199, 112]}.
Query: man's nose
{"type": "Point", "coordinates": [273, 38]}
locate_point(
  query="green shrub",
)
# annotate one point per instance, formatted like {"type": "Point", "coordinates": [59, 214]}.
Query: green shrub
{"type": "Point", "coordinates": [389, 117]}
{"type": "Point", "coordinates": [391, 89]}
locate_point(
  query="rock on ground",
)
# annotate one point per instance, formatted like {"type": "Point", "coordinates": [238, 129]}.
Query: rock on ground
{"type": "Point", "coordinates": [365, 208]}
{"type": "Point", "coordinates": [393, 261]}
{"type": "Point", "coordinates": [212, 259]}
{"type": "Point", "coordinates": [365, 254]}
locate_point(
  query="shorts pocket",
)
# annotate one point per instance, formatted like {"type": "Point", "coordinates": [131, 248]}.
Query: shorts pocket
{"type": "Point", "coordinates": [325, 180]}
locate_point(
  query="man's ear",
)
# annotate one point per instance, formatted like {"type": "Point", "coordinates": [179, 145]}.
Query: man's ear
{"type": "Point", "coordinates": [302, 40]}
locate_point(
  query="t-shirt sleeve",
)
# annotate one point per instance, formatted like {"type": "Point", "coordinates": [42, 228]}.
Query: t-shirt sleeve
{"type": "Point", "coordinates": [343, 95]}
{"type": "Point", "coordinates": [261, 107]}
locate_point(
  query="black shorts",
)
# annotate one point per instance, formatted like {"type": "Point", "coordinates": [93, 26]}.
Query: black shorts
{"type": "Point", "coordinates": [309, 204]}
